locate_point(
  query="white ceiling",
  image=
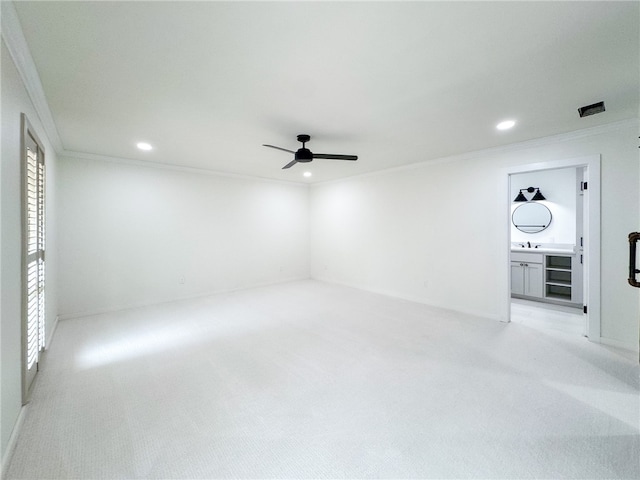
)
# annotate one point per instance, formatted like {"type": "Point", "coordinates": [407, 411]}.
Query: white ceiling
{"type": "Point", "coordinates": [207, 83]}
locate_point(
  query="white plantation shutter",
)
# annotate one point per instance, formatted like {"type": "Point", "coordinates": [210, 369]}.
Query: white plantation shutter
{"type": "Point", "coordinates": [32, 314]}
{"type": "Point", "coordinates": [41, 233]}
{"type": "Point", "coordinates": [34, 248]}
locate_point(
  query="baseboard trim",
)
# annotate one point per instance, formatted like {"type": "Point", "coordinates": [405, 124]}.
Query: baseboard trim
{"type": "Point", "coordinates": [91, 313]}
{"type": "Point", "coordinates": [617, 344]}
{"type": "Point", "coordinates": [13, 441]}
{"type": "Point", "coordinates": [386, 293]}
{"type": "Point", "coordinates": [53, 331]}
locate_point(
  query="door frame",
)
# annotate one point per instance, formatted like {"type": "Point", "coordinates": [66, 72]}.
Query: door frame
{"type": "Point", "coordinates": [591, 294]}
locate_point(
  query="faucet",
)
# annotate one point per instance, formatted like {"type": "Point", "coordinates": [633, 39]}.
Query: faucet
{"type": "Point", "coordinates": [528, 244]}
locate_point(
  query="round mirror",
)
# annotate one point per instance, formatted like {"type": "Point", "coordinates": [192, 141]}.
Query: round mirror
{"type": "Point", "coordinates": [531, 217]}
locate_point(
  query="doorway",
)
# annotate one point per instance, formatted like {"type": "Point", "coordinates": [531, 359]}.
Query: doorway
{"type": "Point", "coordinates": [554, 267]}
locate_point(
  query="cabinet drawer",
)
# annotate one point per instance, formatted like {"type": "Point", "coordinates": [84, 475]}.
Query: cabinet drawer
{"type": "Point", "coordinates": [526, 257]}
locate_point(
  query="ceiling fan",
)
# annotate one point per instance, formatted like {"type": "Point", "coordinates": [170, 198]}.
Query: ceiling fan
{"type": "Point", "coordinates": [304, 155]}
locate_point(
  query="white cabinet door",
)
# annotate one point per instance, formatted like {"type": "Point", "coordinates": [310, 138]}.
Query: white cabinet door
{"type": "Point", "coordinates": [533, 280]}
{"type": "Point", "coordinates": [517, 278]}
{"type": "Point", "coordinates": [526, 279]}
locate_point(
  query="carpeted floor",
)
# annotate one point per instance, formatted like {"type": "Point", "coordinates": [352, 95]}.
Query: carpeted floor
{"type": "Point", "coordinates": [310, 380]}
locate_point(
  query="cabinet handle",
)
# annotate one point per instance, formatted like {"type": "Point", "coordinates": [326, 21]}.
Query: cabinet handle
{"type": "Point", "coordinates": [526, 264]}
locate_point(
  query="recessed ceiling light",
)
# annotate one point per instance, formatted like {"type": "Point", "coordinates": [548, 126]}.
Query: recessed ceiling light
{"type": "Point", "coordinates": [307, 174]}
{"type": "Point", "coordinates": [144, 146]}
{"type": "Point", "coordinates": [506, 125]}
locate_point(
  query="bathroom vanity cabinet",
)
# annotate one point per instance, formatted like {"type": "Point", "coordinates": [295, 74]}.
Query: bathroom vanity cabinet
{"type": "Point", "coordinates": [547, 277]}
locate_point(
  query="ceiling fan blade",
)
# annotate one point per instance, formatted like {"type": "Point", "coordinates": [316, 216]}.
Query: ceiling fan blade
{"type": "Point", "coordinates": [290, 164]}
{"type": "Point", "coordinates": [278, 148]}
{"type": "Point", "coordinates": [330, 156]}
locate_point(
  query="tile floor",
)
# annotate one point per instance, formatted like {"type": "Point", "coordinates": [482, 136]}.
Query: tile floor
{"type": "Point", "coordinates": [544, 316]}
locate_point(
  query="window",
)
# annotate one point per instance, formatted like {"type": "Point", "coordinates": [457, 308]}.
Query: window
{"type": "Point", "coordinates": [33, 275]}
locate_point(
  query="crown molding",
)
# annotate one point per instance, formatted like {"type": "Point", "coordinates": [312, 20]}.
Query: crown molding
{"type": "Point", "coordinates": [171, 166]}
{"type": "Point", "coordinates": [19, 50]}
{"type": "Point", "coordinates": [538, 142]}
{"type": "Point", "coordinates": [512, 147]}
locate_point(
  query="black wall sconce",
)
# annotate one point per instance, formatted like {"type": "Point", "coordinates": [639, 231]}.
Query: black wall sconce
{"type": "Point", "coordinates": [538, 196]}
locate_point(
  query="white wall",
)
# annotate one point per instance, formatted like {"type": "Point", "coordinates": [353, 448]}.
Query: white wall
{"type": "Point", "coordinates": [415, 233]}
{"type": "Point", "coordinates": [437, 232]}
{"type": "Point", "coordinates": [15, 101]}
{"type": "Point", "coordinates": [130, 233]}
{"type": "Point", "coordinates": [559, 188]}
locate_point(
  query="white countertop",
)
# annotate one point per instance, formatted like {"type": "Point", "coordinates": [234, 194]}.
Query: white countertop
{"type": "Point", "coordinates": [563, 251]}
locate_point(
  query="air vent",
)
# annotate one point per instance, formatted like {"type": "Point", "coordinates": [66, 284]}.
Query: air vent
{"type": "Point", "coordinates": [591, 109]}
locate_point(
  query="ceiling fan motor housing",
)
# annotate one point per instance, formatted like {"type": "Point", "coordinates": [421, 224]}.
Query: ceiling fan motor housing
{"type": "Point", "coordinates": [303, 155]}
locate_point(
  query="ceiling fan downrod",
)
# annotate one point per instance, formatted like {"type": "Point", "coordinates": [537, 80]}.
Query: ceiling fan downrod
{"type": "Point", "coordinates": [303, 155]}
